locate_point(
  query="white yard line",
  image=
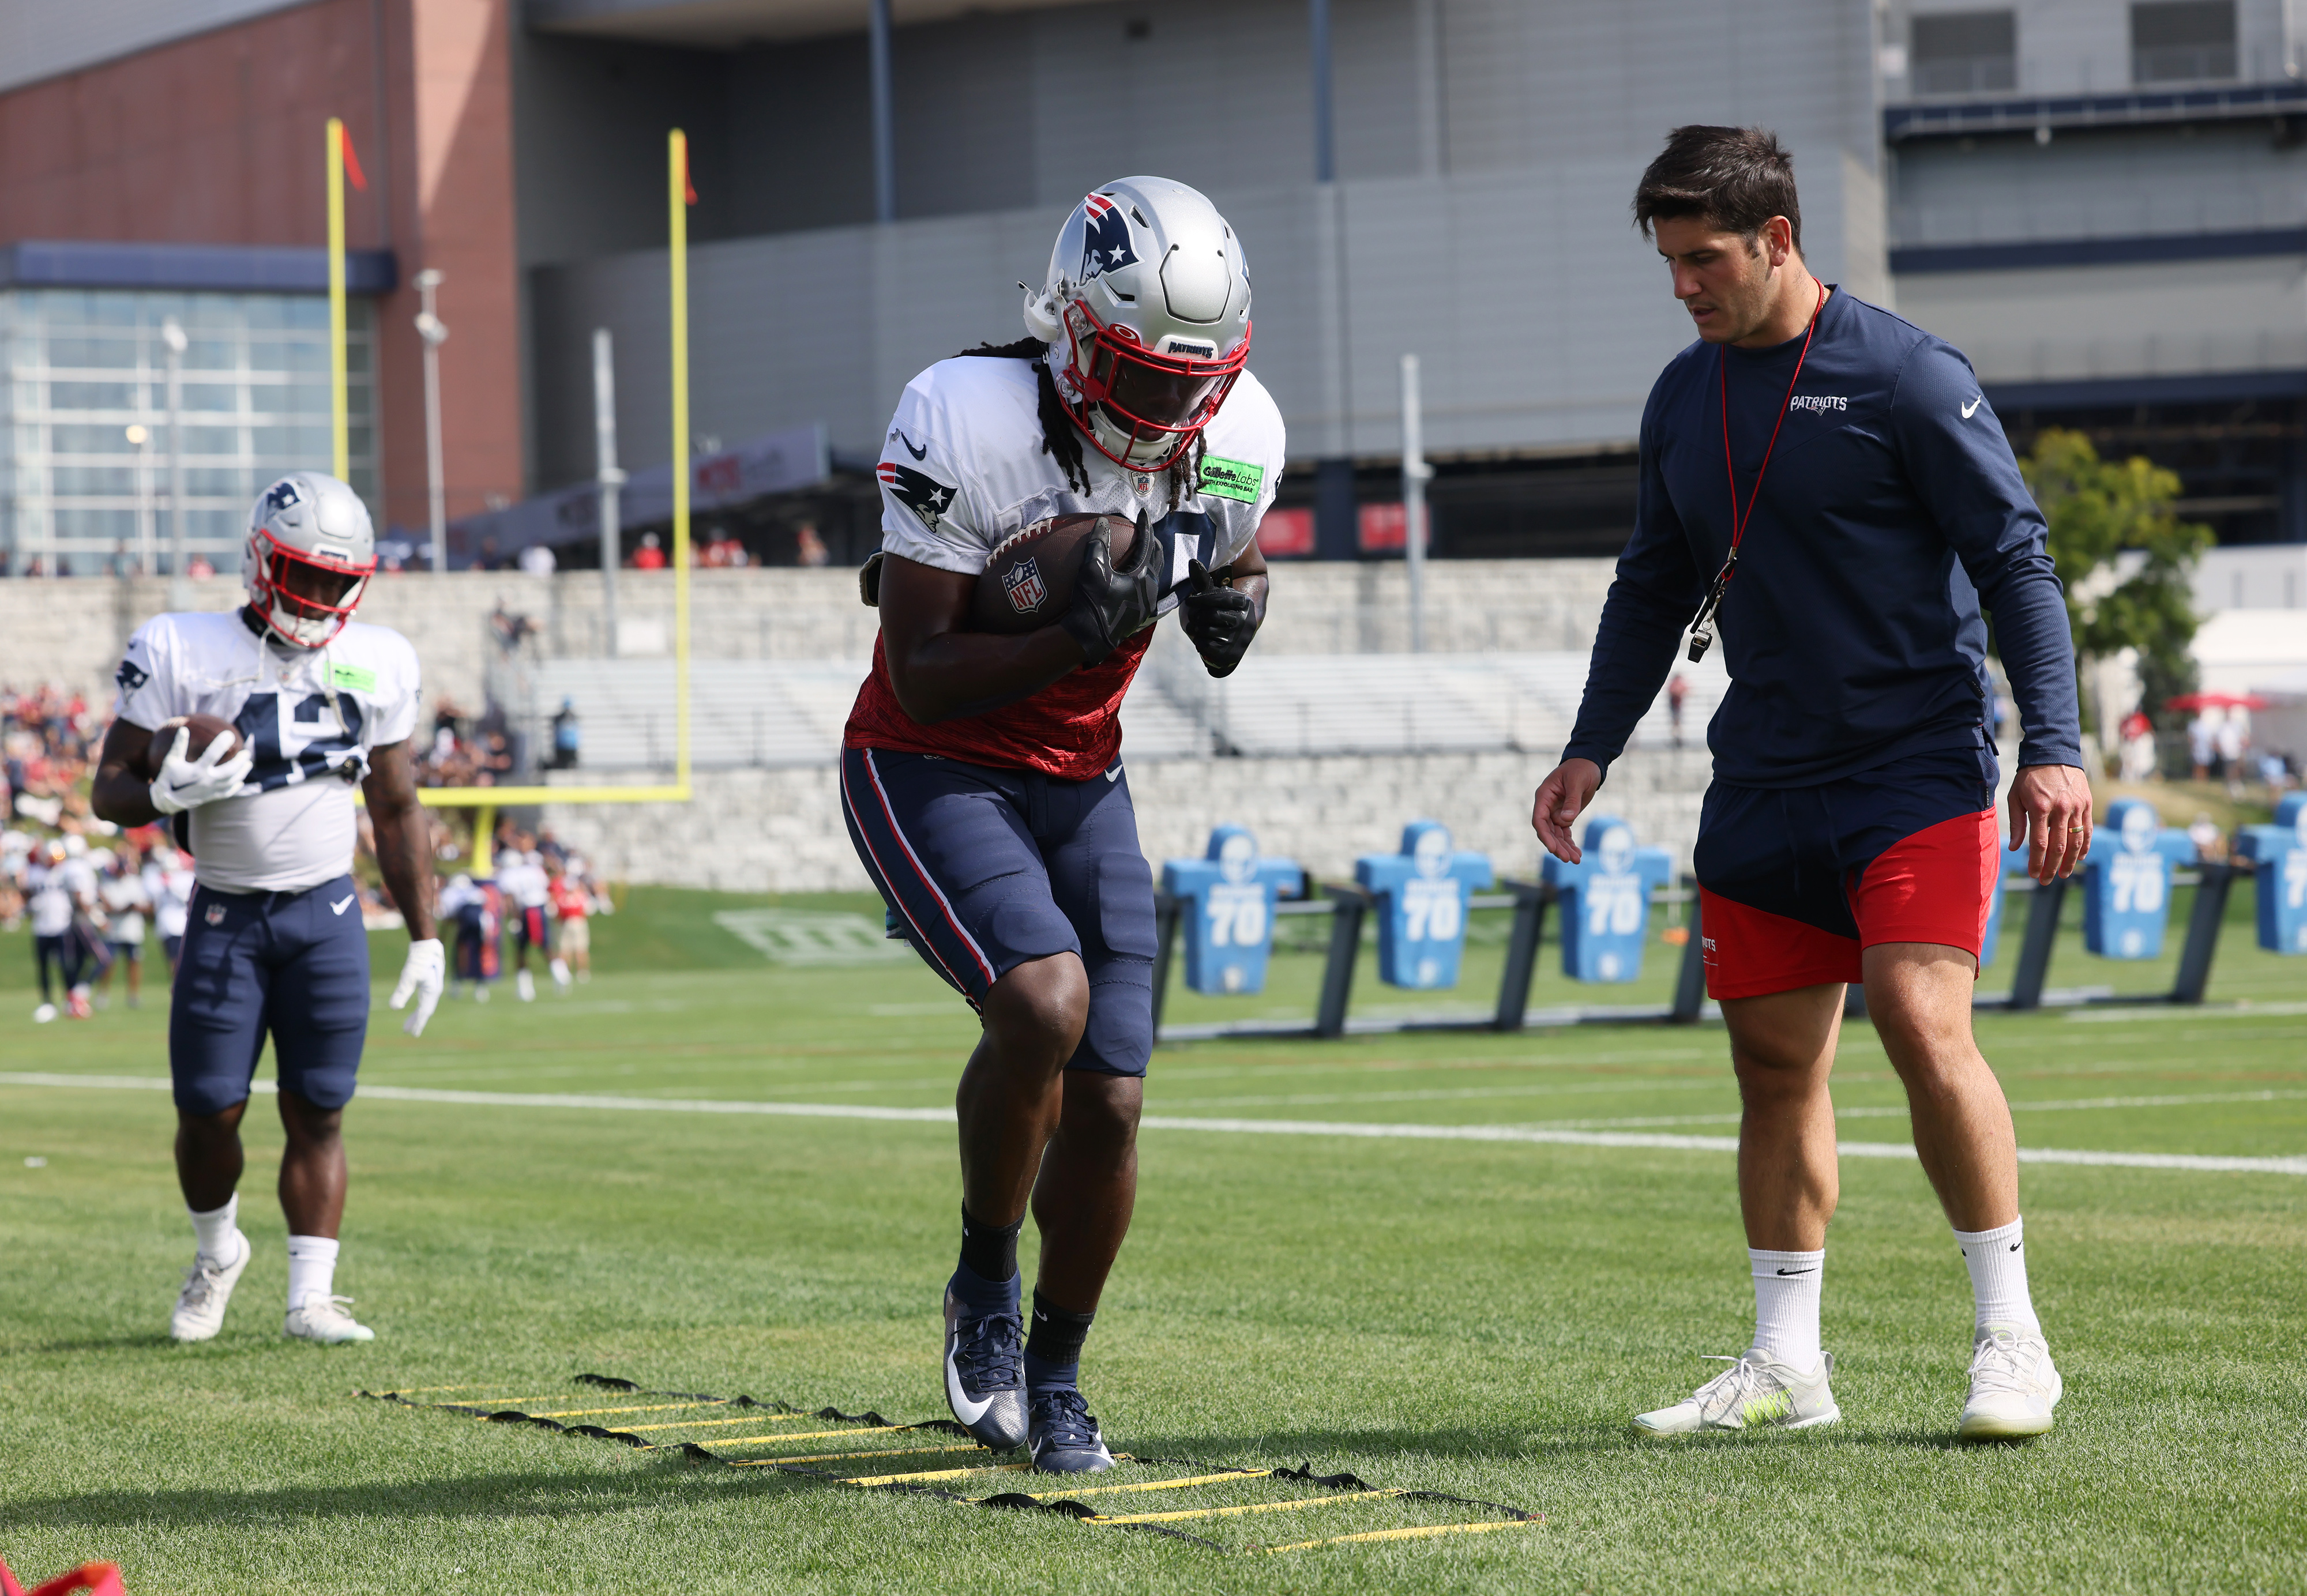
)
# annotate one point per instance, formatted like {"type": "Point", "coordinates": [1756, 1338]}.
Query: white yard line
{"type": "Point", "coordinates": [1224, 1126]}
{"type": "Point", "coordinates": [2125, 1016]}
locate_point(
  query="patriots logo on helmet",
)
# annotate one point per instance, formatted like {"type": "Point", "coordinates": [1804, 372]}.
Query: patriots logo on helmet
{"type": "Point", "coordinates": [1023, 584]}
{"type": "Point", "coordinates": [924, 495]}
{"type": "Point", "coordinates": [1105, 238]}
{"type": "Point", "coordinates": [281, 495]}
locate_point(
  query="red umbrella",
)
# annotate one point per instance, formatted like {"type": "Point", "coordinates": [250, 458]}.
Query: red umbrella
{"type": "Point", "coordinates": [2216, 701]}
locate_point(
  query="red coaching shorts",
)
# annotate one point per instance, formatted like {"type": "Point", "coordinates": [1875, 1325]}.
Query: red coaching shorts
{"type": "Point", "coordinates": [1795, 882]}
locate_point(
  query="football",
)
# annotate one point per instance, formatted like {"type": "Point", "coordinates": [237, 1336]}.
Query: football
{"type": "Point", "coordinates": [205, 730]}
{"type": "Point", "coordinates": [1028, 581]}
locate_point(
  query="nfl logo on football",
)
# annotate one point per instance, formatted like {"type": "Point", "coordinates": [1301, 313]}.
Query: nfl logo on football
{"type": "Point", "coordinates": [1023, 585]}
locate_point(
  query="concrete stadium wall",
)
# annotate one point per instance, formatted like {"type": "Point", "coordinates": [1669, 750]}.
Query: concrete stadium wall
{"type": "Point", "coordinates": [782, 832]}
{"type": "Point", "coordinates": [72, 631]}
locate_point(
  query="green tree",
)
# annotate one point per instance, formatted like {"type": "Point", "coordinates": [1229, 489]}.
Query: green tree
{"type": "Point", "coordinates": [2098, 509]}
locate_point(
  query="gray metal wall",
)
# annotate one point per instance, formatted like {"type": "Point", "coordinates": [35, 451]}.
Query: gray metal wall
{"type": "Point", "coordinates": [1481, 221]}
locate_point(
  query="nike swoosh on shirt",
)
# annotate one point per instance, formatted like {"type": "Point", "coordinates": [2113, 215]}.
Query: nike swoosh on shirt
{"type": "Point", "coordinates": [1971, 409]}
{"type": "Point", "coordinates": [922, 453]}
{"type": "Point", "coordinates": [338, 908]}
{"type": "Point", "coordinates": [1114, 774]}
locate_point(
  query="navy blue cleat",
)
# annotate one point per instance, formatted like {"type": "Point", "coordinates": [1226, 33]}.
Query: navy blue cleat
{"type": "Point", "coordinates": [1064, 1437]}
{"type": "Point", "coordinates": [985, 1374]}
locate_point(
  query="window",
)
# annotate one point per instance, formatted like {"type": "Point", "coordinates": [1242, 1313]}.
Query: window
{"type": "Point", "coordinates": [88, 368]}
{"type": "Point", "coordinates": [1966, 52]}
{"type": "Point", "coordinates": [2182, 41]}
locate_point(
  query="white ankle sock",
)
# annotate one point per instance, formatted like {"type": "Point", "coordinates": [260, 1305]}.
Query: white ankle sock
{"type": "Point", "coordinates": [1997, 1260]}
{"type": "Point", "coordinates": [216, 1229]}
{"type": "Point", "coordinates": [311, 1268]}
{"type": "Point", "coordinates": [1786, 1304]}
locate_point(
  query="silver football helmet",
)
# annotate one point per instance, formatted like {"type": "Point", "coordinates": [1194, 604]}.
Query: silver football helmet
{"type": "Point", "coordinates": [1146, 311]}
{"type": "Point", "coordinates": [311, 551]}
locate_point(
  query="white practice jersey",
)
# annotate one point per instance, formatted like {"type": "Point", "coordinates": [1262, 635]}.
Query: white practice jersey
{"type": "Point", "coordinates": [171, 892]}
{"type": "Point", "coordinates": [521, 881]}
{"type": "Point", "coordinates": [125, 902]}
{"type": "Point", "coordinates": [311, 715]}
{"type": "Point", "coordinates": [964, 467]}
{"type": "Point", "coordinates": [56, 891]}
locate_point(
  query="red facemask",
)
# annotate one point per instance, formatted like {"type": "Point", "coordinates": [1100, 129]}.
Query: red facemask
{"type": "Point", "coordinates": [293, 616]}
{"type": "Point", "coordinates": [1148, 396]}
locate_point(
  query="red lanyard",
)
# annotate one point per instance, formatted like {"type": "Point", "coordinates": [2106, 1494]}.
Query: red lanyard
{"type": "Point", "coordinates": [1701, 629]}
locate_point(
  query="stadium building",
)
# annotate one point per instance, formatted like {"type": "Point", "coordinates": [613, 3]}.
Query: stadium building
{"type": "Point", "coordinates": [2100, 202]}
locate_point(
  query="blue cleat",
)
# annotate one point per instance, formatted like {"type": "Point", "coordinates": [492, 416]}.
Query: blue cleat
{"type": "Point", "coordinates": [1064, 1437]}
{"type": "Point", "coordinates": [985, 1374]}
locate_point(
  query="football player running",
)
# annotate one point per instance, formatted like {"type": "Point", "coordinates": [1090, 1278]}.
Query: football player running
{"type": "Point", "coordinates": [273, 939]}
{"type": "Point", "coordinates": [981, 773]}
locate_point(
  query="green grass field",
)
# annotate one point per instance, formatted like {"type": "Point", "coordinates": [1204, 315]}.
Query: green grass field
{"type": "Point", "coordinates": [1472, 1317]}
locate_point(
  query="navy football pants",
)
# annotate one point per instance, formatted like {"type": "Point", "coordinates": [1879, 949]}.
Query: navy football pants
{"type": "Point", "coordinates": [291, 964]}
{"type": "Point", "coordinates": [989, 868]}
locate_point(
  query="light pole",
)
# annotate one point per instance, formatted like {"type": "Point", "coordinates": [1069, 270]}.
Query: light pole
{"type": "Point", "coordinates": [1414, 473]}
{"type": "Point", "coordinates": [604, 449]}
{"type": "Point", "coordinates": [147, 555]}
{"type": "Point", "coordinates": [435, 333]}
{"type": "Point", "coordinates": [172, 333]}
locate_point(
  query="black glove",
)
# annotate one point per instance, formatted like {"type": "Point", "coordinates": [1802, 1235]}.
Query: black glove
{"type": "Point", "coordinates": [1220, 620]}
{"type": "Point", "coordinates": [1110, 603]}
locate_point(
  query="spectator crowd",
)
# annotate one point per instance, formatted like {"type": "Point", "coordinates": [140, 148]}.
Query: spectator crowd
{"type": "Point", "coordinates": [94, 897]}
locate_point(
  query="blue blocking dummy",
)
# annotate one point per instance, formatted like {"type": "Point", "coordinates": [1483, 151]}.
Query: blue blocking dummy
{"type": "Point", "coordinates": [2277, 854]}
{"type": "Point", "coordinates": [2014, 870]}
{"type": "Point", "coordinates": [2127, 881]}
{"type": "Point", "coordinates": [1229, 911]}
{"type": "Point", "coordinates": [1421, 895]}
{"type": "Point", "coordinates": [1606, 900]}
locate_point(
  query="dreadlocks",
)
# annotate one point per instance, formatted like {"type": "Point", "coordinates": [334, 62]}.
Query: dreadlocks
{"type": "Point", "coordinates": [1061, 438]}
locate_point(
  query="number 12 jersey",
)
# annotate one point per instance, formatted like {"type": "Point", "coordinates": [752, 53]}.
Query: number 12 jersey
{"type": "Point", "coordinates": [310, 716]}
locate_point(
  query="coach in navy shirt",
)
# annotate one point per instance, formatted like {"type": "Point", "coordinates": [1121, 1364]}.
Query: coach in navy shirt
{"type": "Point", "coordinates": [1825, 485]}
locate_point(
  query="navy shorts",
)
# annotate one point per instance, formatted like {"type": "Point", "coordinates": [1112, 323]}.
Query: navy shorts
{"type": "Point", "coordinates": [988, 868]}
{"type": "Point", "coordinates": [1795, 882]}
{"type": "Point", "coordinates": [291, 964]}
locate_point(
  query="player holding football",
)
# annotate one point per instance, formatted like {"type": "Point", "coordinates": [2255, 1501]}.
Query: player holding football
{"type": "Point", "coordinates": [981, 773]}
{"type": "Point", "coordinates": [273, 940]}
{"type": "Point", "coordinates": [1844, 468]}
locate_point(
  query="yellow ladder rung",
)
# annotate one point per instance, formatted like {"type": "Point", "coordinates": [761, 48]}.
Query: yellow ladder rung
{"type": "Point", "coordinates": [1415, 1532]}
{"type": "Point", "coordinates": [984, 1468]}
{"type": "Point", "coordinates": [1163, 1518]}
{"type": "Point", "coordinates": [755, 1418]}
{"type": "Point", "coordinates": [755, 1462]}
{"type": "Point", "coordinates": [1100, 1491]}
{"type": "Point", "coordinates": [805, 1435]}
{"type": "Point", "coordinates": [654, 1407]}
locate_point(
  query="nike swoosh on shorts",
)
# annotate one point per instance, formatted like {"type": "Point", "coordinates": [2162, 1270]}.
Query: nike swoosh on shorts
{"type": "Point", "coordinates": [338, 908]}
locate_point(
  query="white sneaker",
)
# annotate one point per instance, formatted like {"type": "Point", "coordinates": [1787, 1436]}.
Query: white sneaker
{"type": "Point", "coordinates": [324, 1319]}
{"type": "Point", "coordinates": [44, 1014]}
{"type": "Point", "coordinates": [560, 974]}
{"type": "Point", "coordinates": [480, 993]}
{"type": "Point", "coordinates": [207, 1289]}
{"type": "Point", "coordinates": [2013, 1385]}
{"type": "Point", "coordinates": [1757, 1389]}
{"type": "Point", "coordinates": [526, 986]}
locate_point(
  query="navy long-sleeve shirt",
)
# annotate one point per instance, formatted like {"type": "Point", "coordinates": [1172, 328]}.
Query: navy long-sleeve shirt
{"type": "Point", "coordinates": [1891, 511]}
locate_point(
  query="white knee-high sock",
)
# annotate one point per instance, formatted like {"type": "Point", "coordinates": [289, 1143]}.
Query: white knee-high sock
{"type": "Point", "coordinates": [1786, 1304]}
{"type": "Point", "coordinates": [311, 1268]}
{"type": "Point", "coordinates": [214, 1231]}
{"type": "Point", "coordinates": [1997, 1261]}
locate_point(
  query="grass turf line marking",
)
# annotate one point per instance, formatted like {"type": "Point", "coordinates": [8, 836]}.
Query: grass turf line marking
{"type": "Point", "coordinates": [1349, 1127]}
{"type": "Point", "coordinates": [1413, 1532]}
{"type": "Point", "coordinates": [2185, 1011]}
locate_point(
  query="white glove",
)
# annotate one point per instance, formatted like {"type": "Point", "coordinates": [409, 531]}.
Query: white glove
{"type": "Point", "coordinates": [420, 976]}
{"type": "Point", "coordinates": [188, 783]}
